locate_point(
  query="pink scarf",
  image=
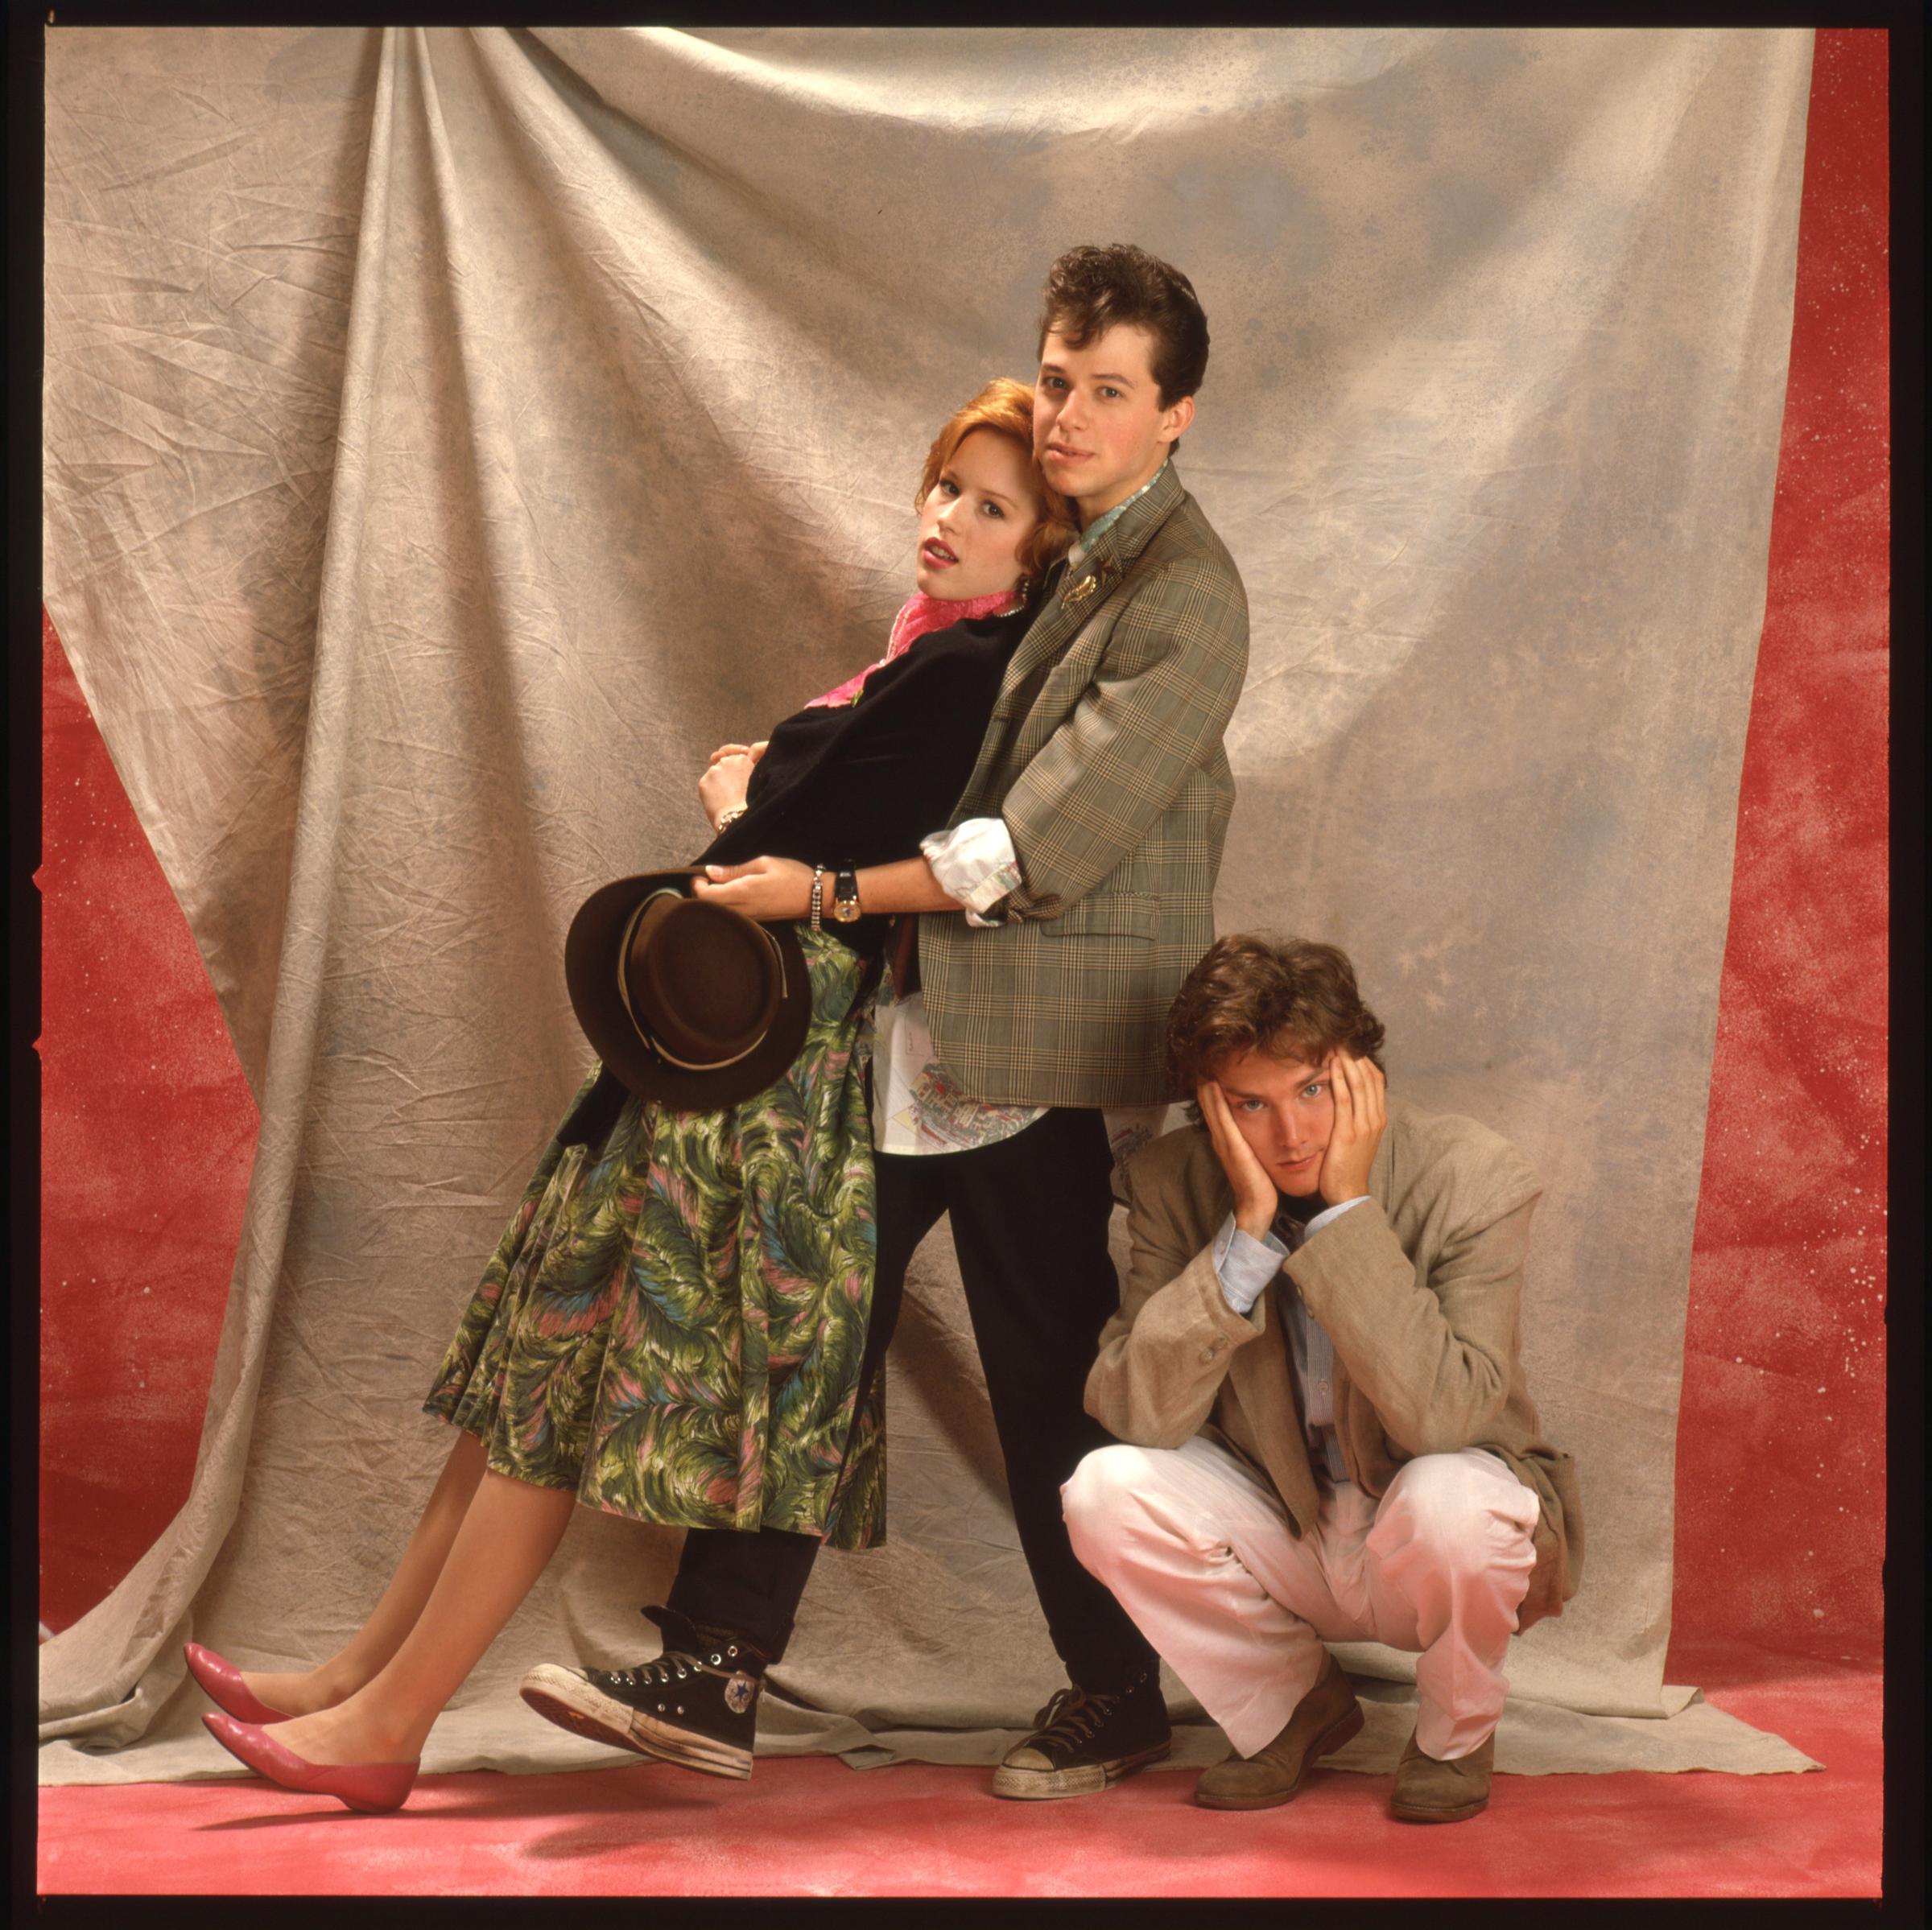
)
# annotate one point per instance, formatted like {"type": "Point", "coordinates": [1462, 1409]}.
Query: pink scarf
{"type": "Point", "coordinates": [917, 615]}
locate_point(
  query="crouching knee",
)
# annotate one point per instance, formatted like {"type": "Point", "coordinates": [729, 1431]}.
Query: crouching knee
{"type": "Point", "coordinates": [1103, 1499]}
{"type": "Point", "coordinates": [1460, 1512]}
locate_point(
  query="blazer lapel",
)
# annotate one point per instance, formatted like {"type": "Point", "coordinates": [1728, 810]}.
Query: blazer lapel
{"type": "Point", "coordinates": [1381, 1169]}
{"type": "Point", "coordinates": [1052, 630]}
{"type": "Point", "coordinates": [1124, 541]}
{"type": "Point", "coordinates": [1073, 595]}
{"type": "Point", "coordinates": [1080, 592]}
{"type": "Point", "coordinates": [1382, 1189]}
{"type": "Point", "coordinates": [1261, 1375]}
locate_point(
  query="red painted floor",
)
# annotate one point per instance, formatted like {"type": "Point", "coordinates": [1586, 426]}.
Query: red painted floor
{"type": "Point", "coordinates": [812, 1827]}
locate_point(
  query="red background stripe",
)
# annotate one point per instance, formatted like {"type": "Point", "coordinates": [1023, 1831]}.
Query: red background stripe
{"type": "Point", "coordinates": [1780, 1469]}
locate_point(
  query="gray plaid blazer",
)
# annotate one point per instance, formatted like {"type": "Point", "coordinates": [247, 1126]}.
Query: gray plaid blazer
{"type": "Point", "coordinates": [1103, 757]}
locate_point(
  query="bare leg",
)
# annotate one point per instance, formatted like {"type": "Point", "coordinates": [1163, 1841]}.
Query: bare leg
{"type": "Point", "coordinates": [378, 1638]}
{"type": "Point", "coordinates": [508, 1534]}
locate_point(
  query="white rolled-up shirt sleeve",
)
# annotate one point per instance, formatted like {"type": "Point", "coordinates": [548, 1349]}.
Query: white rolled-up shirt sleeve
{"type": "Point", "coordinates": [975, 862]}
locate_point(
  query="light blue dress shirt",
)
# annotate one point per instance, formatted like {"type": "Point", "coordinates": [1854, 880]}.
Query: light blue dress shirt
{"type": "Point", "coordinates": [1245, 1266]}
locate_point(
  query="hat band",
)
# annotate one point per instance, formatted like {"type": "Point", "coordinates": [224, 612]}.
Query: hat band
{"type": "Point", "coordinates": [650, 1038]}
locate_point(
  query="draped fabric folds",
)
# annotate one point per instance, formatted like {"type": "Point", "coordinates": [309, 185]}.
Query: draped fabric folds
{"type": "Point", "coordinates": [452, 434]}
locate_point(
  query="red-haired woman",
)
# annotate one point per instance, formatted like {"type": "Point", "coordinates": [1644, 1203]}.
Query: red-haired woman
{"type": "Point", "coordinates": [677, 1326]}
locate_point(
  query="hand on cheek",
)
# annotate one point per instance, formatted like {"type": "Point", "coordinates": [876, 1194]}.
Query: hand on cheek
{"type": "Point", "coordinates": [1361, 1114]}
{"type": "Point", "coordinates": [1255, 1197]}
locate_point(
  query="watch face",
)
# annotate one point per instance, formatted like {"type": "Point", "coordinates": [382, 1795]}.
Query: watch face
{"type": "Point", "coordinates": [846, 910]}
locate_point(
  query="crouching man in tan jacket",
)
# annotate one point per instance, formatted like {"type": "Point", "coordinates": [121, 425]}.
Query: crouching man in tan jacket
{"type": "Point", "coordinates": [1315, 1361]}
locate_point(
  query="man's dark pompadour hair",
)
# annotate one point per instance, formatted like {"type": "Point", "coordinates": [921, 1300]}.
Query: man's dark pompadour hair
{"type": "Point", "coordinates": [1091, 290]}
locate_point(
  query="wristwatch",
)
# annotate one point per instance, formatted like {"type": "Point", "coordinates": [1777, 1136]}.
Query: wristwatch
{"type": "Point", "coordinates": [845, 895]}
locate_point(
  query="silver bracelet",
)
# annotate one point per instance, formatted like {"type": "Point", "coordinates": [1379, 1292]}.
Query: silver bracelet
{"type": "Point", "coordinates": [732, 816]}
{"type": "Point", "coordinates": [818, 895]}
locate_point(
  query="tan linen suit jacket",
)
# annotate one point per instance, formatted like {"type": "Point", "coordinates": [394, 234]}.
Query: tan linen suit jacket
{"type": "Point", "coordinates": [1103, 757]}
{"type": "Point", "coordinates": [1419, 1288]}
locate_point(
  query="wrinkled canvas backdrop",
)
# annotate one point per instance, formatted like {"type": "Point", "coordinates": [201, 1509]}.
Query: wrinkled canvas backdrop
{"type": "Point", "coordinates": [452, 436]}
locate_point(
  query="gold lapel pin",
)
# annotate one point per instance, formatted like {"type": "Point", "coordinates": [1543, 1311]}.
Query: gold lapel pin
{"type": "Point", "coordinates": [1080, 592]}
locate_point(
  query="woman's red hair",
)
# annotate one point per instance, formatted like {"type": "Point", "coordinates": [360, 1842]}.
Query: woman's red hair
{"type": "Point", "coordinates": [1005, 407]}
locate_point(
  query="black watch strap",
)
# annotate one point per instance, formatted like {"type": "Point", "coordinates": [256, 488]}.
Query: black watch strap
{"type": "Point", "coordinates": [846, 894]}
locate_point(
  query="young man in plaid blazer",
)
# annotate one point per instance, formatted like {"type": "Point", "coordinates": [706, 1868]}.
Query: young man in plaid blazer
{"type": "Point", "coordinates": [1084, 855]}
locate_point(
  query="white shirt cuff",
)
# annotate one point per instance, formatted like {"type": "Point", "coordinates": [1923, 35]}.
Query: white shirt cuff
{"type": "Point", "coordinates": [1245, 1265]}
{"type": "Point", "coordinates": [974, 862]}
{"type": "Point", "coordinates": [1329, 1213]}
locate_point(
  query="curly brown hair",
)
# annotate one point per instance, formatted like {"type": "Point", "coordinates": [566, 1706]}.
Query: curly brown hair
{"type": "Point", "coordinates": [1005, 407]}
{"type": "Point", "coordinates": [1291, 998]}
{"type": "Point", "coordinates": [1091, 290]}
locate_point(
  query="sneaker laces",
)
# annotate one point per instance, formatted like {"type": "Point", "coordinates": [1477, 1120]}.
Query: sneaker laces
{"type": "Point", "coordinates": [668, 1667]}
{"type": "Point", "coordinates": [1074, 1714]}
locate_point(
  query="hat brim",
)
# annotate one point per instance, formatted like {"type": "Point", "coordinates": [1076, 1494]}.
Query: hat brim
{"type": "Point", "coordinates": [590, 974]}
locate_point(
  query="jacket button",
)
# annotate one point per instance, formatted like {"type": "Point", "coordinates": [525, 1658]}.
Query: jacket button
{"type": "Point", "coordinates": [1207, 1354]}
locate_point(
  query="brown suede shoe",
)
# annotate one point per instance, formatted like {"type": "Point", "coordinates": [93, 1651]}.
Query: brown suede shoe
{"type": "Point", "coordinates": [1429, 1791]}
{"type": "Point", "coordinates": [1324, 1719]}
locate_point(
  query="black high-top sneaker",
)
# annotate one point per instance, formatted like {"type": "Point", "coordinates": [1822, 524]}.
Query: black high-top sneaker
{"type": "Point", "coordinates": [1083, 1741]}
{"type": "Point", "coordinates": [696, 1705]}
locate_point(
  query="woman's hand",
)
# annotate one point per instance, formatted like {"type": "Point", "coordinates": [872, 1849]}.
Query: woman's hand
{"type": "Point", "coordinates": [763, 888]}
{"type": "Point", "coordinates": [1361, 1114]}
{"type": "Point", "coordinates": [754, 751]}
{"type": "Point", "coordinates": [725, 781]}
{"type": "Point", "coordinates": [1255, 1196]}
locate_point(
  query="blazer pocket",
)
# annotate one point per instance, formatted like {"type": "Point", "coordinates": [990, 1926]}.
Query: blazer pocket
{"type": "Point", "coordinates": [1112, 914]}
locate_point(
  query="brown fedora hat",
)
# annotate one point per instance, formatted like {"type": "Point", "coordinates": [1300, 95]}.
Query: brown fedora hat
{"type": "Point", "coordinates": [685, 1001]}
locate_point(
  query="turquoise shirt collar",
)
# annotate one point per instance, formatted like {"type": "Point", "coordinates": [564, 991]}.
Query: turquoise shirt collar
{"type": "Point", "coordinates": [1101, 525]}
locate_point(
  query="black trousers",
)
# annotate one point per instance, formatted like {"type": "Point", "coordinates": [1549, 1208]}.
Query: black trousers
{"type": "Point", "coordinates": [1028, 1220]}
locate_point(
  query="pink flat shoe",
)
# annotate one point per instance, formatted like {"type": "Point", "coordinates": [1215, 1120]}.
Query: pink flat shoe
{"type": "Point", "coordinates": [369, 1787]}
{"type": "Point", "coordinates": [222, 1680]}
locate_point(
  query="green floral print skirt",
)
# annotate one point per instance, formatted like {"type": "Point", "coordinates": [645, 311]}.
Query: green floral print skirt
{"type": "Point", "coordinates": [674, 1322]}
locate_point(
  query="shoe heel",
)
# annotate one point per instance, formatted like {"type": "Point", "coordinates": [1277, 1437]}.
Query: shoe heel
{"type": "Point", "coordinates": [374, 1789]}
{"type": "Point", "coordinates": [1343, 1733]}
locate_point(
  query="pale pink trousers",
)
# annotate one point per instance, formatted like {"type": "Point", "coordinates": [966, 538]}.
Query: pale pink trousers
{"type": "Point", "coordinates": [1197, 1547]}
